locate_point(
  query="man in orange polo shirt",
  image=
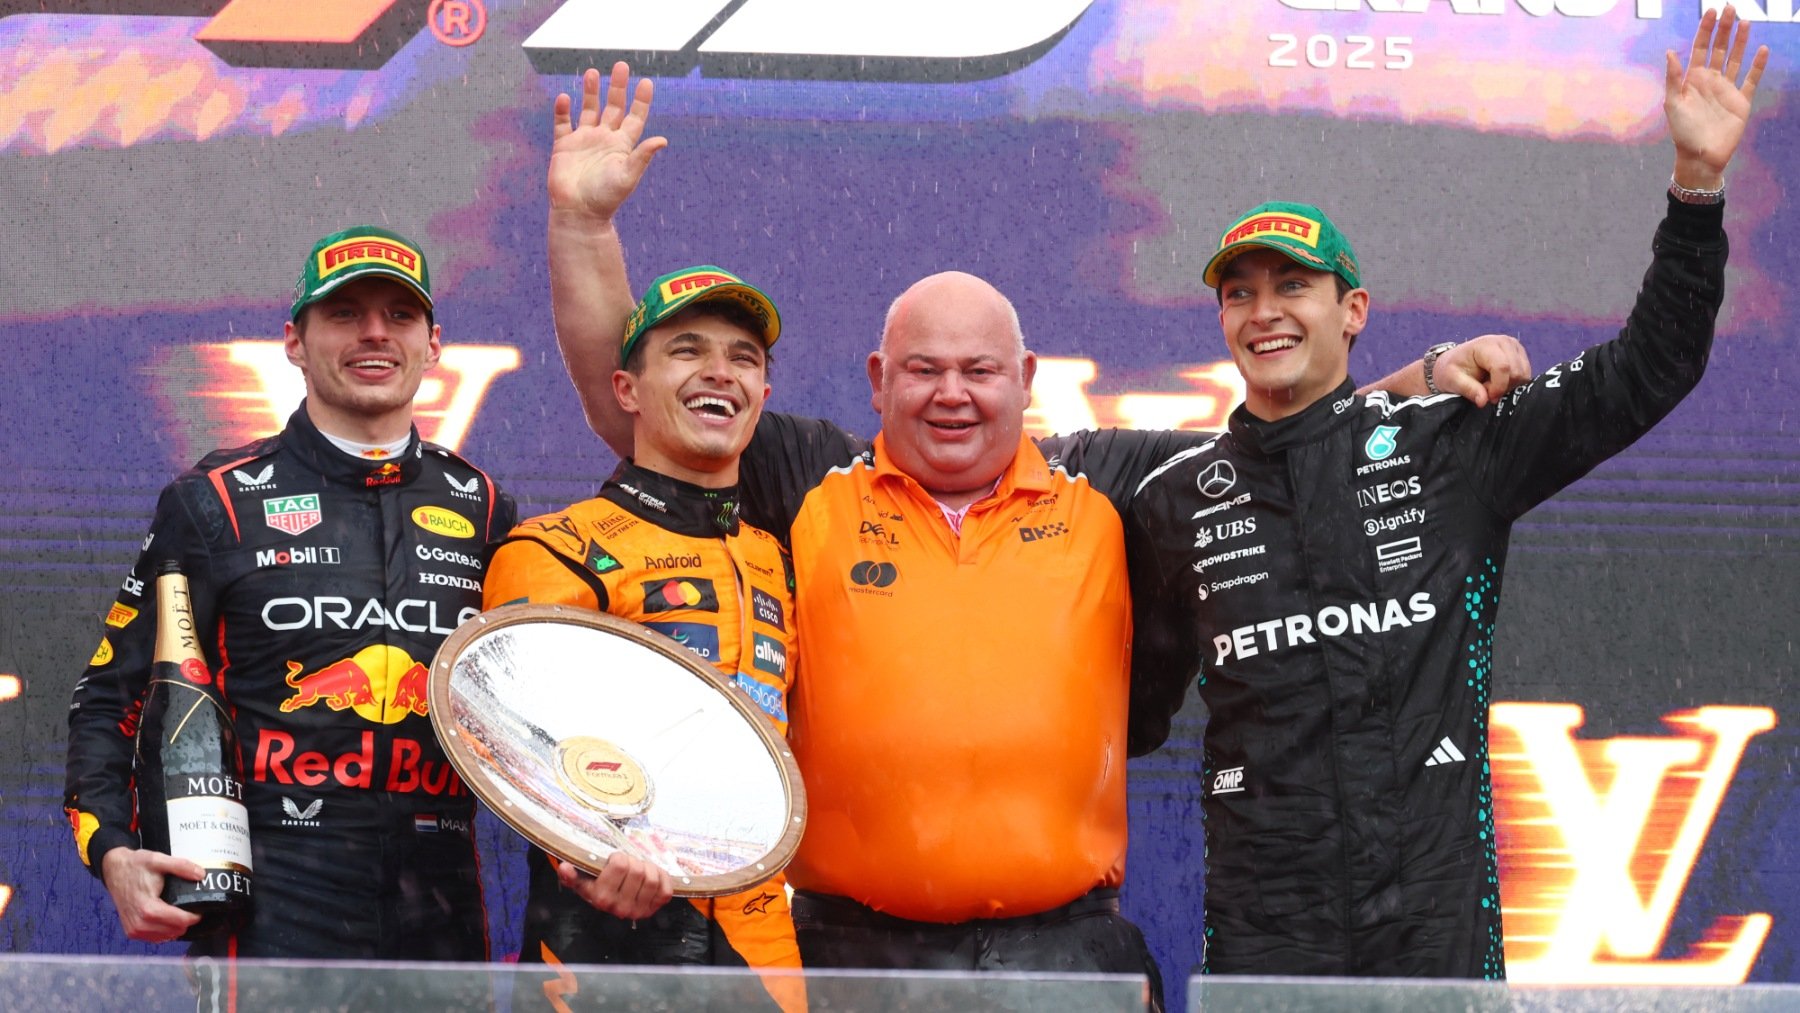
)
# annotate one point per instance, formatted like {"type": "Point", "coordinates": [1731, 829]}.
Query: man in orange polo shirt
{"type": "Point", "coordinates": [963, 715]}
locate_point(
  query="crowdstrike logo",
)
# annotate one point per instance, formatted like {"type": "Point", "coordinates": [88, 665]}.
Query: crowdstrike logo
{"type": "Point", "coordinates": [937, 41]}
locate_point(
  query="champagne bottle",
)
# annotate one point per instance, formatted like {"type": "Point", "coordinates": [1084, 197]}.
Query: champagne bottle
{"type": "Point", "coordinates": [190, 776]}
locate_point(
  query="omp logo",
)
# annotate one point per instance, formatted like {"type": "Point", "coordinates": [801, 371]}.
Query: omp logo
{"type": "Point", "coordinates": [343, 34]}
{"type": "Point", "coordinates": [1228, 780]}
{"type": "Point", "coordinates": [875, 40]}
{"type": "Point", "coordinates": [1597, 839]}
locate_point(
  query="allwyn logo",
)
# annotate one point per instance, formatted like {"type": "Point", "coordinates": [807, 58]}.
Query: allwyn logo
{"type": "Point", "coordinates": [439, 521]}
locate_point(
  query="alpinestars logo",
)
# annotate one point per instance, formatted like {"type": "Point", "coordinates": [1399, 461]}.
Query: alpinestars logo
{"type": "Point", "coordinates": [937, 41]}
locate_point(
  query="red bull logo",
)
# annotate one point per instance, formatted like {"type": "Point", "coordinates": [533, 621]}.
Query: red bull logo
{"type": "Point", "coordinates": [387, 474]}
{"type": "Point", "coordinates": [279, 759]}
{"type": "Point", "coordinates": [381, 684]}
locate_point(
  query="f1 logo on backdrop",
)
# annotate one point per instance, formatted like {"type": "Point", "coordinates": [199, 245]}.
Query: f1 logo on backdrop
{"type": "Point", "coordinates": [872, 40]}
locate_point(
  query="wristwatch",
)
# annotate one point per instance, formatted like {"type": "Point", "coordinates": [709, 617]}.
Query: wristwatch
{"type": "Point", "coordinates": [1431, 357]}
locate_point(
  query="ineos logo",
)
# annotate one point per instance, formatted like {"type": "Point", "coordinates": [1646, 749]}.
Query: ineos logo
{"type": "Point", "coordinates": [1217, 479]}
{"type": "Point", "coordinates": [869, 573]}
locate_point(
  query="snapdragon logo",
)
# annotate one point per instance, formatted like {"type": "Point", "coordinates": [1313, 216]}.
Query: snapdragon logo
{"type": "Point", "coordinates": [937, 41]}
{"type": "Point", "coordinates": [1331, 621]}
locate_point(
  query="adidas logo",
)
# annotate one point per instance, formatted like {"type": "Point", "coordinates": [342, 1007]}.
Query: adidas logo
{"type": "Point", "coordinates": [1446, 752]}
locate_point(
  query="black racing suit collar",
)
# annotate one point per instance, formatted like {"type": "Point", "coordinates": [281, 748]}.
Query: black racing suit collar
{"type": "Point", "coordinates": [1306, 426]}
{"type": "Point", "coordinates": [311, 446]}
{"type": "Point", "coordinates": [681, 507]}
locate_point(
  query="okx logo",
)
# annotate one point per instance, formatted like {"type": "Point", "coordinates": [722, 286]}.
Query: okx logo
{"type": "Point", "coordinates": [874, 40]}
{"type": "Point", "coordinates": [1598, 837]}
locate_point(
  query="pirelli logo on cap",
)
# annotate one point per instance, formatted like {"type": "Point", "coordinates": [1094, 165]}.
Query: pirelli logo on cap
{"type": "Point", "coordinates": [370, 250]}
{"type": "Point", "coordinates": [693, 281]}
{"type": "Point", "coordinates": [1295, 227]}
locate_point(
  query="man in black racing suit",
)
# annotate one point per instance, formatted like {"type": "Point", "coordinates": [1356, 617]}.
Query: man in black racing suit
{"type": "Point", "coordinates": [326, 569]}
{"type": "Point", "coordinates": [1334, 563]}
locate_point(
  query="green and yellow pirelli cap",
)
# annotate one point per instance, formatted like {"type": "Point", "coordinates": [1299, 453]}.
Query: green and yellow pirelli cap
{"type": "Point", "coordinates": [676, 291]}
{"type": "Point", "coordinates": [362, 251]}
{"type": "Point", "coordinates": [1299, 230]}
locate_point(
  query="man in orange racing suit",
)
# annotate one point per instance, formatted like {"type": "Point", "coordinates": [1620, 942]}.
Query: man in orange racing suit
{"type": "Point", "coordinates": [662, 545]}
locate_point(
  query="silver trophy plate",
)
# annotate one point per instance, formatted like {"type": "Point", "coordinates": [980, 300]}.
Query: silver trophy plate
{"type": "Point", "coordinates": [589, 734]}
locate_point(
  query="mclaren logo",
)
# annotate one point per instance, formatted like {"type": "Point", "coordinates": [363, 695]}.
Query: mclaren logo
{"type": "Point", "coordinates": [921, 40]}
{"type": "Point", "coordinates": [1217, 479]}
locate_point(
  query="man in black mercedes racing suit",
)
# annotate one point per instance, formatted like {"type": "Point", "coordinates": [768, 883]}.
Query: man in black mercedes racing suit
{"type": "Point", "coordinates": [326, 565]}
{"type": "Point", "coordinates": [1334, 562]}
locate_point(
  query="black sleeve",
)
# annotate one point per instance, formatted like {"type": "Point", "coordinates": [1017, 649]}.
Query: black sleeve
{"type": "Point", "coordinates": [98, 782]}
{"type": "Point", "coordinates": [1555, 429]}
{"type": "Point", "coordinates": [787, 457]}
{"type": "Point", "coordinates": [1116, 461]}
{"type": "Point", "coordinates": [1165, 642]}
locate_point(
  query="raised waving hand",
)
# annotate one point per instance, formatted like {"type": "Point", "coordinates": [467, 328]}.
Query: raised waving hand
{"type": "Point", "coordinates": [1707, 107]}
{"type": "Point", "coordinates": [600, 154]}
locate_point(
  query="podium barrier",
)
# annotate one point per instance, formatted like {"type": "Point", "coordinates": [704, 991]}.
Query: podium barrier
{"type": "Point", "coordinates": [1222, 994]}
{"type": "Point", "coordinates": [37, 983]}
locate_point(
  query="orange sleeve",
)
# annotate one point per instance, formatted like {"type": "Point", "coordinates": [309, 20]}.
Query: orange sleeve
{"type": "Point", "coordinates": [524, 570]}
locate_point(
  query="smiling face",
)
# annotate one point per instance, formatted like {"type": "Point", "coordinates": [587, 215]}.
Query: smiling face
{"type": "Point", "coordinates": [1288, 330]}
{"type": "Point", "coordinates": [951, 383]}
{"type": "Point", "coordinates": [695, 391]}
{"type": "Point", "coordinates": [363, 350]}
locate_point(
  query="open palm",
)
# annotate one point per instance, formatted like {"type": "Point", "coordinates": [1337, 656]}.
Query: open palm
{"type": "Point", "coordinates": [1707, 108]}
{"type": "Point", "coordinates": [598, 157]}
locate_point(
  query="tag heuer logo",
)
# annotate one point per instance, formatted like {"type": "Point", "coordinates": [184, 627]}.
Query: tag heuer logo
{"type": "Point", "coordinates": [1381, 442]}
{"type": "Point", "coordinates": [293, 514]}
